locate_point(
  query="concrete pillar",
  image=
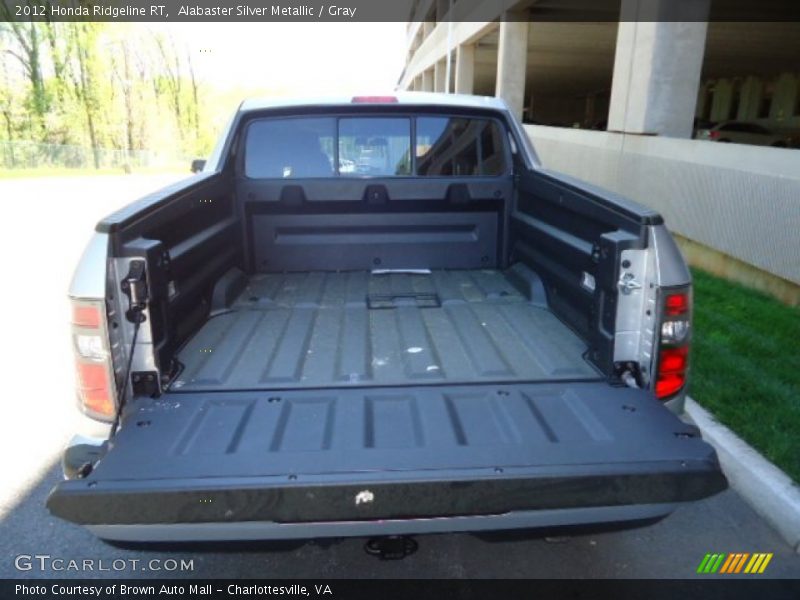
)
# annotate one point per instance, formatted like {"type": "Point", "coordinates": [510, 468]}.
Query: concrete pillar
{"type": "Point", "coordinates": [512, 59]}
{"type": "Point", "coordinates": [722, 100]}
{"type": "Point", "coordinates": [657, 67]}
{"type": "Point", "coordinates": [465, 69]}
{"type": "Point", "coordinates": [427, 80]}
{"type": "Point", "coordinates": [439, 79]}
{"type": "Point", "coordinates": [783, 100]}
{"type": "Point", "coordinates": [750, 99]}
{"type": "Point", "coordinates": [427, 28]}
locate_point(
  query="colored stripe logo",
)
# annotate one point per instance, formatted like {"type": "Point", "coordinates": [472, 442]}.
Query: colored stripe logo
{"type": "Point", "coordinates": [737, 562]}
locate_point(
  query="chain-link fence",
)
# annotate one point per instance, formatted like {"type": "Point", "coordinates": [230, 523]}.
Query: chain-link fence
{"type": "Point", "coordinates": [32, 155]}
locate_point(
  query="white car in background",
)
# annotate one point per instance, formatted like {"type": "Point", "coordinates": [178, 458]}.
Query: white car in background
{"type": "Point", "coordinates": [744, 133]}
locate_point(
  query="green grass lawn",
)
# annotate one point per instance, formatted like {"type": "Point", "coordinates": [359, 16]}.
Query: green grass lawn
{"type": "Point", "coordinates": [746, 366]}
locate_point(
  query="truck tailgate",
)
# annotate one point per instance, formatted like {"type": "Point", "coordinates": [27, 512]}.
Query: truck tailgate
{"type": "Point", "coordinates": [380, 453]}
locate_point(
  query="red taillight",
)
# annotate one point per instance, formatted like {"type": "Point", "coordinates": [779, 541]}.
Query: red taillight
{"type": "Point", "coordinates": [93, 365]}
{"type": "Point", "coordinates": [669, 384]}
{"type": "Point", "coordinates": [86, 316]}
{"type": "Point", "coordinates": [374, 99]}
{"type": "Point", "coordinates": [713, 135]}
{"type": "Point", "coordinates": [673, 360]}
{"type": "Point", "coordinates": [671, 371]}
{"type": "Point", "coordinates": [94, 389]}
{"type": "Point", "coordinates": [673, 353]}
{"type": "Point", "coordinates": [676, 304]}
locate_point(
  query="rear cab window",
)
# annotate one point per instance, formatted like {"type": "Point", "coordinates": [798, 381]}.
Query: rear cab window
{"type": "Point", "coordinates": [374, 146]}
{"type": "Point", "coordinates": [459, 146]}
{"type": "Point", "coordinates": [377, 146]}
{"type": "Point", "coordinates": [290, 147]}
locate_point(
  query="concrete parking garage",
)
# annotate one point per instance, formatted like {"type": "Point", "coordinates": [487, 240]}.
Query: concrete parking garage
{"type": "Point", "coordinates": [614, 99]}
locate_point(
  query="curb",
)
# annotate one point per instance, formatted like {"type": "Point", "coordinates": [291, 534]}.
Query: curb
{"type": "Point", "coordinates": [767, 489]}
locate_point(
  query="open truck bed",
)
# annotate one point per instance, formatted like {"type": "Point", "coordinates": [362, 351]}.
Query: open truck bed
{"type": "Point", "coordinates": [316, 399]}
{"type": "Point", "coordinates": [506, 366]}
{"type": "Point", "coordinates": [320, 330]}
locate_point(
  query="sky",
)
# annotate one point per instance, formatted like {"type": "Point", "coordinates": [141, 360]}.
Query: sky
{"type": "Point", "coordinates": [296, 58]}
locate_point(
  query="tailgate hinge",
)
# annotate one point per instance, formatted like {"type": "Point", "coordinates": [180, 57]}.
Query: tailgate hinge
{"type": "Point", "coordinates": [135, 287]}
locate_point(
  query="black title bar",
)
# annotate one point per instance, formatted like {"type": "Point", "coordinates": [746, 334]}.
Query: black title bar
{"type": "Point", "coordinates": [398, 10]}
{"type": "Point", "coordinates": [707, 588]}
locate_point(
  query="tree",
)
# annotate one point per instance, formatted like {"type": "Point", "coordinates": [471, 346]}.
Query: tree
{"type": "Point", "coordinates": [58, 53]}
{"type": "Point", "coordinates": [100, 85]}
{"type": "Point", "coordinates": [28, 53]}
{"type": "Point", "coordinates": [171, 78]}
{"type": "Point", "coordinates": [7, 109]}
{"type": "Point", "coordinates": [195, 99]}
{"type": "Point", "coordinates": [85, 84]}
{"type": "Point", "coordinates": [122, 69]}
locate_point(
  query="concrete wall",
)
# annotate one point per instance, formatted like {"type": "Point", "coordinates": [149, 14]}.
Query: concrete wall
{"type": "Point", "coordinates": [743, 201]}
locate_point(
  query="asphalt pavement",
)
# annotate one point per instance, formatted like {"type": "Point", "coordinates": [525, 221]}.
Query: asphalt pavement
{"type": "Point", "coordinates": [48, 221]}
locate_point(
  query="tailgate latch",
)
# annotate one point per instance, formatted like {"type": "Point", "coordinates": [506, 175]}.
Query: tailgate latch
{"type": "Point", "coordinates": [627, 283]}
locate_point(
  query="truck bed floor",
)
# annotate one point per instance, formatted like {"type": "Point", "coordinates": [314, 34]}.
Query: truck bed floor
{"type": "Point", "coordinates": [353, 329]}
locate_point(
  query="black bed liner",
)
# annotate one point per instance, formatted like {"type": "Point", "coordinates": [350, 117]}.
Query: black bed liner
{"type": "Point", "coordinates": [299, 456]}
{"type": "Point", "coordinates": [356, 328]}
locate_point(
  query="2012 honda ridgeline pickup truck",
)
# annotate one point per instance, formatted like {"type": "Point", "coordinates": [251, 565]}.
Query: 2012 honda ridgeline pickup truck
{"type": "Point", "coordinates": [379, 315]}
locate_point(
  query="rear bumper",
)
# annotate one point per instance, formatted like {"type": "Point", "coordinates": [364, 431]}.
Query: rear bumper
{"type": "Point", "coordinates": [387, 496]}
{"type": "Point", "coordinates": [267, 530]}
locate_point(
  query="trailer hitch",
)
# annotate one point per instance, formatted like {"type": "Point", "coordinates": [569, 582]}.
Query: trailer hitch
{"type": "Point", "coordinates": [391, 547]}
